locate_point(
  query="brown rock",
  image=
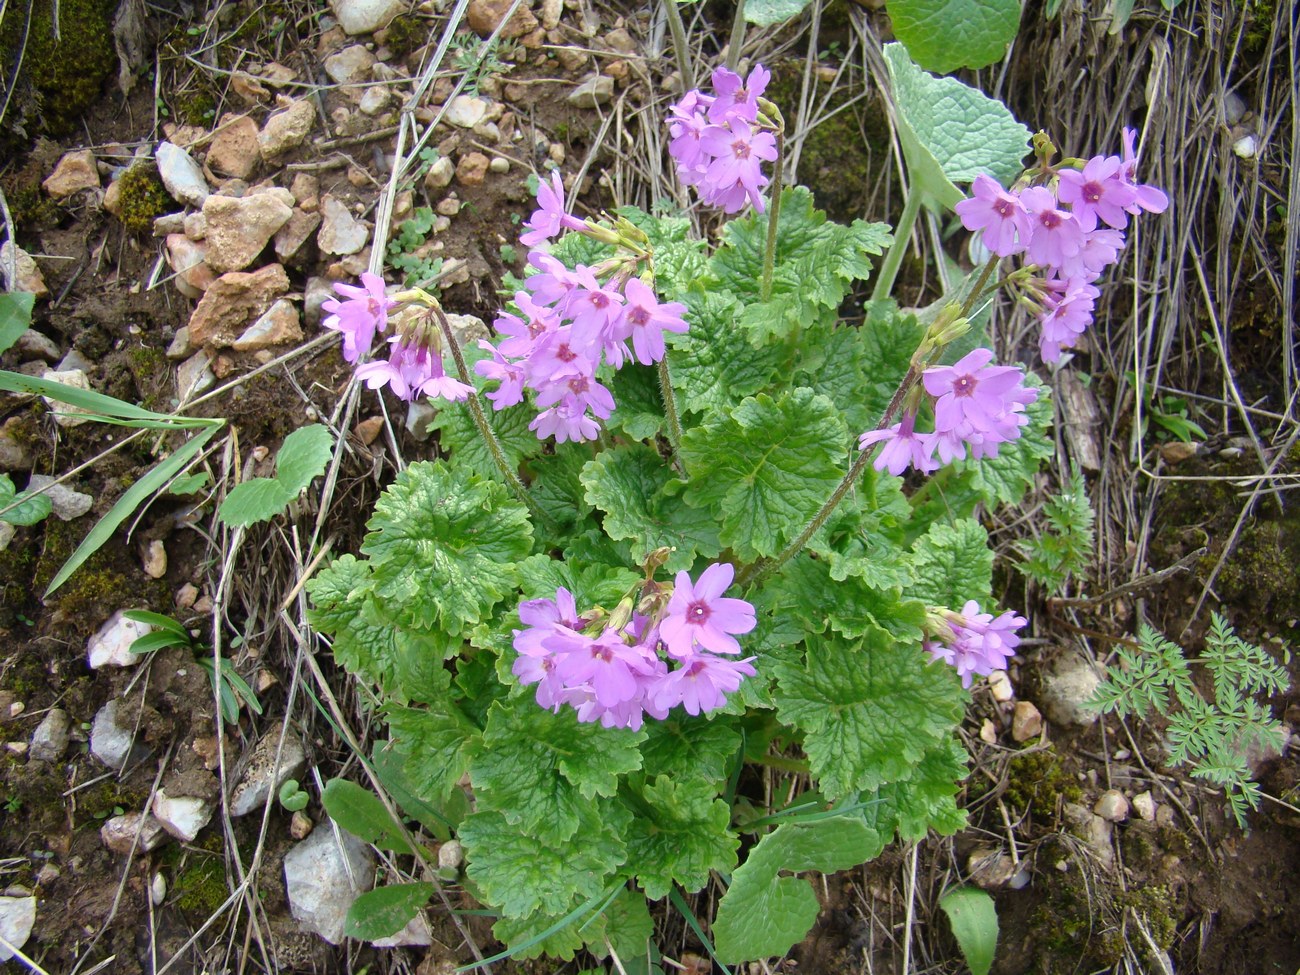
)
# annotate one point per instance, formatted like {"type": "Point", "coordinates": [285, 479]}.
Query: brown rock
{"type": "Point", "coordinates": [232, 301]}
{"type": "Point", "coordinates": [368, 429]}
{"type": "Point", "coordinates": [28, 276]}
{"type": "Point", "coordinates": [239, 229]}
{"type": "Point", "coordinates": [1026, 722]}
{"type": "Point", "coordinates": [235, 150]}
{"type": "Point", "coordinates": [75, 172]}
{"type": "Point", "coordinates": [187, 259]}
{"type": "Point", "coordinates": [1177, 451]}
{"type": "Point", "coordinates": [113, 198]}
{"type": "Point", "coordinates": [621, 41]}
{"type": "Point", "coordinates": [306, 191]}
{"type": "Point", "coordinates": [485, 15]}
{"type": "Point", "coordinates": [472, 169]}
{"type": "Point", "coordinates": [290, 238]}
{"type": "Point", "coordinates": [278, 326]}
{"type": "Point", "coordinates": [287, 129]}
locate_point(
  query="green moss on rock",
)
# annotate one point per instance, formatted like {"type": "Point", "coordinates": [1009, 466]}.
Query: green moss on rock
{"type": "Point", "coordinates": [142, 198]}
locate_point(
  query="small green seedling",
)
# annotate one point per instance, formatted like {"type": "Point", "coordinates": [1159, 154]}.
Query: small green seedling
{"type": "Point", "coordinates": [292, 797]}
{"type": "Point", "coordinates": [304, 456]}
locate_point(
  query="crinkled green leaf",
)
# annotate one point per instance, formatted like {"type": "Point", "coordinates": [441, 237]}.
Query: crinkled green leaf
{"type": "Point", "coordinates": [30, 508]}
{"type": "Point", "coordinates": [679, 253]}
{"type": "Point", "coordinates": [869, 709]}
{"type": "Point", "coordinates": [843, 362]}
{"type": "Point", "coordinates": [638, 407]}
{"type": "Point", "coordinates": [889, 338]}
{"type": "Point", "coordinates": [952, 564]}
{"type": "Point", "coordinates": [303, 456]}
{"type": "Point", "coordinates": [765, 13]}
{"type": "Point", "coordinates": [951, 132]}
{"type": "Point", "coordinates": [974, 920]}
{"type": "Point", "coordinates": [678, 833]}
{"type": "Point", "coordinates": [520, 873]}
{"type": "Point", "coordinates": [592, 583]}
{"type": "Point", "coordinates": [863, 536]}
{"type": "Point", "coordinates": [635, 489]}
{"type": "Point", "coordinates": [817, 262]}
{"type": "Point", "coordinates": [541, 769]}
{"type": "Point", "coordinates": [766, 468]}
{"type": "Point", "coordinates": [382, 912]}
{"type": "Point", "coordinates": [925, 801]}
{"type": "Point", "coordinates": [849, 607]}
{"type": "Point", "coordinates": [437, 744]}
{"type": "Point", "coordinates": [713, 366]}
{"type": "Point", "coordinates": [458, 435]}
{"type": "Point", "coordinates": [527, 937]}
{"type": "Point", "coordinates": [625, 926]}
{"type": "Point", "coordinates": [928, 28]}
{"type": "Point", "coordinates": [444, 545]}
{"type": "Point", "coordinates": [413, 795]}
{"type": "Point", "coordinates": [15, 316]}
{"type": "Point", "coordinates": [764, 914]}
{"type": "Point", "coordinates": [555, 486]}
{"type": "Point", "coordinates": [686, 747]}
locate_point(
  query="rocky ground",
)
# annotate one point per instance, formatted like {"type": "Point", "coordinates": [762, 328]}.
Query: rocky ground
{"type": "Point", "coordinates": [180, 247]}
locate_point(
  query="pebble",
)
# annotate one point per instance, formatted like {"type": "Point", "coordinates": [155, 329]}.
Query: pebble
{"type": "Point", "coordinates": [64, 415]}
{"type": "Point", "coordinates": [73, 174]}
{"type": "Point", "coordinates": [1234, 108]}
{"type": "Point", "coordinates": [1000, 686]}
{"type": "Point", "coordinates": [1070, 682]}
{"type": "Point", "coordinates": [499, 164]}
{"type": "Point", "coordinates": [300, 825]}
{"type": "Point", "coordinates": [1177, 451]}
{"type": "Point", "coordinates": [278, 325]}
{"type": "Point", "coordinates": [287, 129]}
{"type": "Point", "coordinates": [593, 92]}
{"type": "Point", "coordinates": [194, 225]}
{"type": "Point", "coordinates": [451, 855]}
{"type": "Point", "coordinates": [368, 429]}
{"type": "Point", "coordinates": [109, 742]}
{"type": "Point", "coordinates": [1094, 830]}
{"type": "Point", "coordinates": [340, 233]}
{"type": "Point", "coordinates": [306, 191]}
{"type": "Point", "coordinates": [118, 833]}
{"type": "Point", "coordinates": [180, 174]}
{"type": "Point", "coordinates": [375, 99]}
{"type": "Point", "coordinates": [65, 503]}
{"type": "Point", "coordinates": [261, 777]}
{"type": "Point", "coordinates": [27, 276]}
{"type": "Point", "coordinates": [50, 740]}
{"type": "Point", "coordinates": [472, 169]}
{"type": "Point", "coordinates": [232, 301]}
{"type": "Point", "coordinates": [17, 918]}
{"type": "Point", "coordinates": [235, 150]}
{"type": "Point", "coordinates": [571, 58]}
{"type": "Point", "coordinates": [290, 238]}
{"type": "Point", "coordinates": [188, 258]}
{"type": "Point", "coordinates": [448, 207]}
{"type": "Point", "coordinates": [365, 16]}
{"type": "Point", "coordinates": [485, 16]}
{"type": "Point", "coordinates": [620, 40]}
{"type": "Point", "coordinates": [418, 417]}
{"type": "Point", "coordinates": [1144, 806]}
{"type": "Point", "coordinates": [323, 875]}
{"type": "Point", "coordinates": [158, 889]}
{"type": "Point", "coordinates": [1026, 722]}
{"type": "Point", "coordinates": [466, 111]}
{"type": "Point", "coordinates": [440, 174]}
{"type": "Point", "coordinates": [990, 868]}
{"type": "Point", "coordinates": [240, 228]}
{"type": "Point", "coordinates": [1112, 806]}
{"type": "Point", "coordinates": [34, 343]}
{"type": "Point", "coordinates": [111, 644]}
{"type": "Point", "coordinates": [319, 290]}
{"type": "Point", "coordinates": [988, 732]}
{"type": "Point", "coordinates": [550, 12]}
{"type": "Point", "coordinates": [350, 66]}
{"type": "Point", "coordinates": [182, 816]}
{"type": "Point", "coordinates": [194, 376]}
{"type": "Point", "coordinates": [186, 595]}
{"type": "Point", "coordinates": [1246, 147]}
{"type": "Point", "coordinates": [155, 560]}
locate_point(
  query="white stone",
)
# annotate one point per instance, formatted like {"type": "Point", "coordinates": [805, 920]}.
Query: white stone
{"type": "Point", "coordinates": [1026, 722]}
{"type": "Point", "coordinates": [261, 777]}
{"type": "Point", "coordinates": [182, 816]}
{"type": "Point", "coordinates": [26, 275]}
{"type": "Point", "coordinates": [340, 233]}
{"type": "Point", "coordinates": [1070, 682]}
{"type": "Point", "coordinates": [1112, 806]}
{"type": "Point", "coordinates": [1234, 108]}
{"type": "Point", "coordinates": [415, 934]}
{"type": "Point", "coordinates": [374, 100]}
{"type": "Point", "coordinates": [350, 66]}
{"type": "Point", "coordinates": [287, 129]}
{"type": "Point", "coordinates": [65, 415]}
{"type": "Point", "coordinates": [1144, 806]}
{"type": "Point", "coordinates": [65, 503]}
{"type": "Point", "coordinates": [111, 645]}
{"type": "Point", "coordinates": [593, 92]}
{"type": "Point", "coordinates": [50, 740]}
{"type": "Point", "coordinates": [1093, 829]}
{"type": "Point", "coordinates": [1246, 147]}
{"type": "Point", "coordinates": [182, 176]}
{"type": "Point", "coordinates": [278, 325]}
{"type": "Point", "coordinates": [440, 174]}
{"type": "Point", "coordinates": [466, 111]}
{"type": "Point", "coordinates": [158, 889]}
{"type": "Point", "coordinates": [155, 560]}
{"type": "Point", "coordinates": [418, 417]}
{"type": "Point", "coordinates": [119, 833]}
{"type": "Point", "coordinates": [194, 376]}
{"type": "Point", "coordinates": [1000, 687]}
{"type": "Point", "coordinates": [319, 290]}
{"type": "Point", "coordinates": [109, 742]}
{"type": "Point", "coordinates": [451, 855]}
{"type": "Point", "coordinates": [365, 16]}
{"type": "Point", "coordinates": [34, 343]}
{"type": "Point", "coordinates": [239, 228]}
{"type": "Point", "coordinates": [323, 875]}
{"type": "Point", "coordinates": [17, 917]}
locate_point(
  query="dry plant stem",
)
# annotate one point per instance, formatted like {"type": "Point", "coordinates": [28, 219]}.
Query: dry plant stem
{"type": "Point", "coordinates": [753, 574]}
{"type": "Point", "coordinates": [680, 48]}
{"type": "Point", "coordinates": [737, 39]}
{"type": "Point", "coordinates": [773, 215]}
{"type": "Point", "coordinates": [481, 421]}
{"type": "Point", "coordinates": [894, 259]}
{"type": "Point", "coordinates": [670, 405]}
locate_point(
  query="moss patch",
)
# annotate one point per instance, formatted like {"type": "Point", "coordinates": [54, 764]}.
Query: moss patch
{"type": "Point", "coordinates": [1035, 781]}
{"type": "Point", "coordinates": [143, 198]}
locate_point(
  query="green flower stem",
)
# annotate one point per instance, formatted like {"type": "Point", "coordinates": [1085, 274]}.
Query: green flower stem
{"type": "Point", "coordinates": [894, 259]}
{"type": "Point", "coordinates": [773, 215]}
{"type": "Point", "coordinates": [678, 31]}
{"type": "Point", "coordinates": [754, 574]}
{"type": "Point", "coordinates": [481, 421]}
{"type": "Point", "coordinates": [670, 406]}
{"type": "Point", "coordinates": [975, 294]}
{"type": "Point", "coordinates": [737, 39]}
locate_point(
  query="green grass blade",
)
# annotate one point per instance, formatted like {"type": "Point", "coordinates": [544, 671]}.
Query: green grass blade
{"type": "Point", "coordinates": [589, 906]}
{"type": "Point", "coordinates": [158, 621]}
{"type": "Point", "coordinates": [103, 407]}
{"type": "Point", "coordinates": [679, 902]}
{"type": "Point", "coordinates": [151, 483]}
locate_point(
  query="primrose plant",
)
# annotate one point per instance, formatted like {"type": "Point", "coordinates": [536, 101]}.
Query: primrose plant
{"type": "Point", "coordinates": [677, 545]}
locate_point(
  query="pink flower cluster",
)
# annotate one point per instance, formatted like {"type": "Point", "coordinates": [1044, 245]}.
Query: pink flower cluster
{"type": "Point", "coordinates": [1072, 234]}
{"type": "Point", "coordinates": [569, 322]}
{"type": "Point", "coordinates": [717, 144]}
{"type": "Point", "coordinates": [621, 674]}
{"type": "Point", "coordinates": [976, 406]}
{"type": "Point", "coordinates": [980, 643]}
{"type": "Point", "coordinates": [414, 365]}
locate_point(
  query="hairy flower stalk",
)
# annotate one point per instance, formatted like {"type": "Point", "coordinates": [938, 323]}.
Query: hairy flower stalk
{"type": "Point", "coordinates": [769, 248]}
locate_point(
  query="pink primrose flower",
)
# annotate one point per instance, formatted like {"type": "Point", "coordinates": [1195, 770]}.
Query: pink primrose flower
{"type": "Point", "coordinates": [699, 616]}
{"type": "Point", "coordinates": [1000, 217]}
